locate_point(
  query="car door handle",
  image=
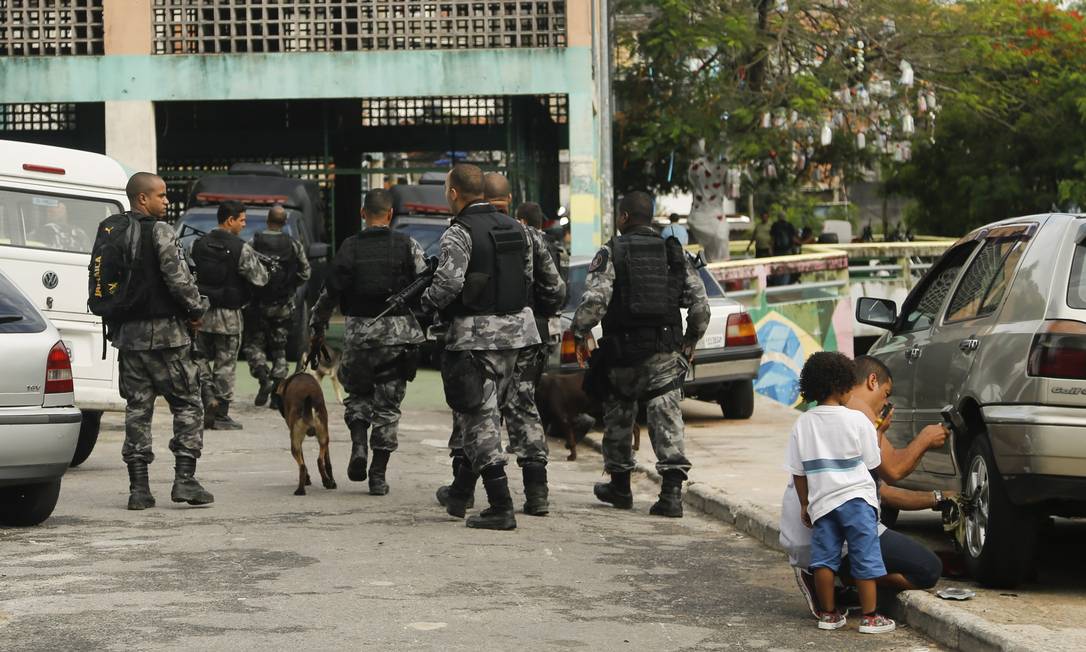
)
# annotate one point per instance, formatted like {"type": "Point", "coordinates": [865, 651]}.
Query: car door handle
{"type": "Point", "coordinates": [969, 345]}
{"type": "Point", "coordinates": [913, 353]}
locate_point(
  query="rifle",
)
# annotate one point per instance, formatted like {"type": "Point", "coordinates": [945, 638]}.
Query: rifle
{"type": "Point", "coordinates": [188, 229]}
{"type": "Point", "coordinates": [415, 288]}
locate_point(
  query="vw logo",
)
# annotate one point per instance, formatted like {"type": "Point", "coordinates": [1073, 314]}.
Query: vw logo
{"type": "Point", "coordinates": [50, 280]}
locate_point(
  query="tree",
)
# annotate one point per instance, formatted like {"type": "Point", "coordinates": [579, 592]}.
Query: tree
{"type": "Point", "coordinates": [1010, 139]}
{"type": "Point", "coordinates": [791, 93]}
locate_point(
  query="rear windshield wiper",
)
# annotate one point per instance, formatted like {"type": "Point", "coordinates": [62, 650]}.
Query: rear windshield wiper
{"type": "Point", "coordinates": [7, 319]}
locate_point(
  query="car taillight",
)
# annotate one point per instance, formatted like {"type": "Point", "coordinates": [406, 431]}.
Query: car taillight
{"type": "Point", "coordinates": [569, 347]}
{"type": "Point", "coordinates": [1059, 350]}
{"type": "Point", "coordinates": [740, 331]}
{"type": "Point", "coordinates": [58, 371]}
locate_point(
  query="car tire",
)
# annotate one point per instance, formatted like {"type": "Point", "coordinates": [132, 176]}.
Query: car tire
{"type": "Point", "coordinates": [736, 399]}
{"type": "Point", "coordinates": [28, 504]}
{"type": "Point", "coordinates": [88, 436]}
{"type": "Point", "coordinates": [889, 516]}
{"type": "Point", "coordinates": [1000, 537]}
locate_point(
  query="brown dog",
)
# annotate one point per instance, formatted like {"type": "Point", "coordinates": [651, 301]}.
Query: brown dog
{"type": "Point", "coordinates": [560, 400]}
{"type": "Point", "coordinates": [301, 402]}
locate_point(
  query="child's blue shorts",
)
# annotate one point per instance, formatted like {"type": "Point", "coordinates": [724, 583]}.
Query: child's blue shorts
{"type": "Point", "coordinates": [857, 523]}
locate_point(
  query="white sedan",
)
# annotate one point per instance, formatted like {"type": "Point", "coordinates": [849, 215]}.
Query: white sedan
{"type": "Point", "coordinates": [39, 423]}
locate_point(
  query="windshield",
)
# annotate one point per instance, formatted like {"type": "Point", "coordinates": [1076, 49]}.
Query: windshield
{"type": "Point", "coordinates": [427, 235]}
{"type": "Point", "coordinates": [256, 220]}
{"type": "Point", "coordinates": [17, 315]}
{"type": "Point", "coordinates": [712, 288]}
{"type": "Point", "coordinates": [41, 221]}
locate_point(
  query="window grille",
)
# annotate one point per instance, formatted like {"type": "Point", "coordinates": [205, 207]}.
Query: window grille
{"type": "Point", "coordinates": [37, 117]}
{"type": "Point", "coordinates": [50, 27]}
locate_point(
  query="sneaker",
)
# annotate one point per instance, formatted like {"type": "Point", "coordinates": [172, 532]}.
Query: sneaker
{"type": "Point", "coordinates": [806, 584]}
{"type": "Point", "coordinates": [831, 620]}
{"type": "Point", "coordinates": [876, 624]}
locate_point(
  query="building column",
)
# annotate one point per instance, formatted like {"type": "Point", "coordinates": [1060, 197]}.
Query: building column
{"type": "Point", "coordinates": [130, 124]}
{"type": "Point", "coordinates": [585, 200]}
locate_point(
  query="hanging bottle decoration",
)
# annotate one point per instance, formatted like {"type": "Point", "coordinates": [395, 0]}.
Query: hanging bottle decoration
{"type": "Point", "coordinates": [827, 133]}
{"type": "Point", "coordinates": [863, 96]}
{"type": "Point", "coordinates": [861, 141]}
{"type": "Point", "coordinates": [907, 124]}
{"type": "Point", "coordinates": [794, 117]}
{"type": "Point", "coordinates": [771, 170]}
{"type": "Point", "coordinates": [766, 120]}
{"type": "Point", "coordinates": [906, 73]}
{"type": "Point", "coordinates": [921, 104]}
{"type": "Point", "coordinates": [931, 101]}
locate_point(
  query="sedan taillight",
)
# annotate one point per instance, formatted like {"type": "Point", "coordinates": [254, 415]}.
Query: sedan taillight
{"type": "Point", "coordinates": [740, 330]}
{"type": "Point", "coordinates": [569, 347]}
{"type": "Point", "coordinates": [1059, 350]}
{"type": "Point", "coordinates": [58, 371]}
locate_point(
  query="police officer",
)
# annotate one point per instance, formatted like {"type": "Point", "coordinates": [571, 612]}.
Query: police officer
{"type": "Point", "coordinates": [275, 307]}
{"type": "Point", "coordinates": [155, 355]}
{"type": "Point", "coordinates": [636, 284]}
{"type": "Point", "coordinates": [482, 287]}
{"type": "Point", "coordinates": [226, 269]}
{"type": "Point", "coordinates": [381, 357]}
{"type": "Point", "coordinates": [526, 437]}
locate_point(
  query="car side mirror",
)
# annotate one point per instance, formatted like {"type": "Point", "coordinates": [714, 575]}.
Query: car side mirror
{"type": "Point", "coordinates": [880, 313]}
{"type": "Point", "coordinates": [318, 250]}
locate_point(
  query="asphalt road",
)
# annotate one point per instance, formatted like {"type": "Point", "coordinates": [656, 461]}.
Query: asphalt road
{"type": "Point", "coordinates": [263, 569]}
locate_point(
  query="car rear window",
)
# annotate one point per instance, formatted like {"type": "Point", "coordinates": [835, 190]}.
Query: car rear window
{"type": "Point", "coordinates": [427, 235]}
{"type": "Point", "coordinates": [712, 288]}
{"type": "Point", "coordinates": [256, 219]}
{"type": "Point", "coordinates": [1076, 289]}
{"type": "Point", "coordinates": [17, 315]}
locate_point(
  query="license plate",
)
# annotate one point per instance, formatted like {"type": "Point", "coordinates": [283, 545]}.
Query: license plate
{"type": "Point", "coordinates": [712, 341]}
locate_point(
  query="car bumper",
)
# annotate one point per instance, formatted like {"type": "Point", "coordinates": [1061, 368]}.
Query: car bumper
{"type": "Point", "coordinates": [105, 399]}
{"type": "Point", "coordinates": [1037, 439]}
{"type": "Point", "coordinates": [716, 366]}
{"type": "Point", "coordinates": [36, 444]}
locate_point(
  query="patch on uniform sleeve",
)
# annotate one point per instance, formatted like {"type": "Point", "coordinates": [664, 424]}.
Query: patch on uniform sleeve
{"type": "Point", "coordinates": [599, 261]}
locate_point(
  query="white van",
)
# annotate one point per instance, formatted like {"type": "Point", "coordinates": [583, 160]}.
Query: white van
{"type": "Point", "coordinates": [51, 202]}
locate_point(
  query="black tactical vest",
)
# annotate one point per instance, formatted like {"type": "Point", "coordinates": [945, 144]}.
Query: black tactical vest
{"type": "Point", "coordinates": [283, 279]}
{"type": "Point", "coordinates": [155, 301]}
{"type": "Point", "coordinates": [494, 283]}
{"type": "Point", "coordinates": [649, 273]}
{"type": "Point", "coordinates": [216, 256]}
{"type": "Point", "coordinates": [377, 264]}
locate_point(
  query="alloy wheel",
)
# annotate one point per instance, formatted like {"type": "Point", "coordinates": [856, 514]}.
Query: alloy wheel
{"type": "Point", "coordinates": [978, 485]}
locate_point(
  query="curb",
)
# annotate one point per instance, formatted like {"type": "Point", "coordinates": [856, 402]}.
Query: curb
{"type": "Point", "coordinates": [923, 611]}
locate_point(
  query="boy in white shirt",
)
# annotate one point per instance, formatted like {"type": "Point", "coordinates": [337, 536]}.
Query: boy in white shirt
{"type": "Point", "coordinates": [832, 454]}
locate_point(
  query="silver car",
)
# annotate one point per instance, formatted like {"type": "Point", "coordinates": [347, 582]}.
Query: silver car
{"type": "Point", "coordinates": [996, 332]}
{"type": "Point", "coordinates": [39, 423]}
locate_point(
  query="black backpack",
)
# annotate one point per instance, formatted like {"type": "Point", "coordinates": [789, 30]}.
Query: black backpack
{"type": "Point", "coordinates": [282, 278]}
{"type": "Point", "coordinates": [113, 261]}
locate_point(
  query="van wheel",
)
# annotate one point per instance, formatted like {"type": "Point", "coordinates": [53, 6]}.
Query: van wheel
{"type": "Point", "coordinates": [736, 399]}
{"type": "Point", "coordinates": [1000, 538]}
{"type": "Point", "coordinates": [88, 436]}
{"type": "Point", "coordinates": [28, 504]}
{"type": "Point", "coordinates": [889, 516]}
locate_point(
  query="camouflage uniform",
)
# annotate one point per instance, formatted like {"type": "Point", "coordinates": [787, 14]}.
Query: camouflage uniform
{"type": "Point", "coordinates": [664, 416]}
{"type": "Point", "coordinates": [220, 334]}
{"type": "Point", "coordinates": [494, 340]}
{"type": "Point", "coordinates": [371, 405]}
{"type": "Point", "coordinates": [274, 320]}
{"type": "Point", "coordinates": [156, 360]}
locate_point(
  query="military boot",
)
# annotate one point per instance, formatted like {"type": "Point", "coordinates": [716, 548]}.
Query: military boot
{"type": "Point", "coordinates": [185, 487]}
{"type": "Point", "coordinates": [378, 485]}
{"type": "Point", "coordinates": [671, 495]}
{"type": "Point", "coordinates": [223, 421]}
{"type": "Point", "coordinates": [461, 494]}
{"type": "Point", "coordinates": [617, 491]}
{"type": "Point", "coordinates": [458, 458]}
{"type": "Point", "coordinates": [266, 387]}
{"type": "Point", "coordinates": [356, 468]}
{"type": "Point", "coordinates": [139, 489]}
{"type": "Point", "coordinates": [535, 489]}
{"type": "Point", "coordinates": [499, 516]}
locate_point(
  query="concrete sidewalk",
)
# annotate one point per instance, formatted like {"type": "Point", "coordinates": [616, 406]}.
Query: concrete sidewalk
{"type": "Point", "coordinates": [738, 477]}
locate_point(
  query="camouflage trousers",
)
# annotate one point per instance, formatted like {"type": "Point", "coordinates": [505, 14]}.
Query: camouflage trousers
{"type": "Point", "coordinates": [646, 382]}
{"type": "Point", "coordinates": [218, 368]}
{"type": "Point", "coordinates": [266, 341]}
{"type": "Point", "coordinates": [526, 437]}
{"type": "Point", "coordinates": [480, 430]}
{"type": "Point", "coordinates": [172, 374]}
{"type": "Point", "coordinates": [373, 403]}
